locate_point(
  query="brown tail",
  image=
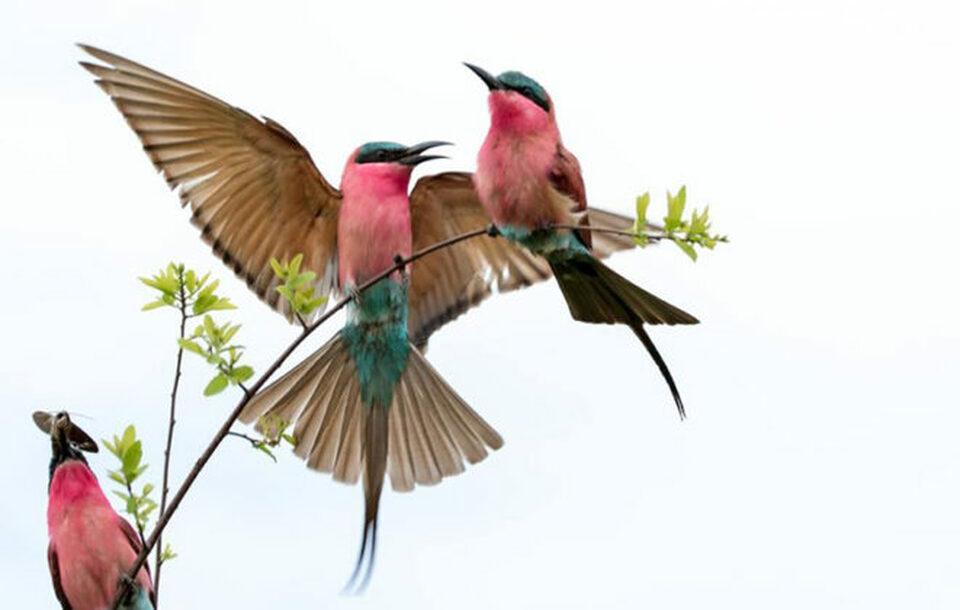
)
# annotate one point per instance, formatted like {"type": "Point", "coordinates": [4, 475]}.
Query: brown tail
{"type": "Point", "coordinates": [426, 433]}
{"type": "Point", "coordinates": [597, 294]}
{"type": "Point", "coordinates": [375, 468]}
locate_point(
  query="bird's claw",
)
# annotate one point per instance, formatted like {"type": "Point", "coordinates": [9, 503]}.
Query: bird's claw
{"type": "Point", "coordinates": [398, 261]}
{"type": "Point", "coordinates": [492, 230]}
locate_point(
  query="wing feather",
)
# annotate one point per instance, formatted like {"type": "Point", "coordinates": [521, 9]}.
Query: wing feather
{"type": "Point", "coordinates": [54, 563]}
{"type": "Point", "coordinates": [253, 189]}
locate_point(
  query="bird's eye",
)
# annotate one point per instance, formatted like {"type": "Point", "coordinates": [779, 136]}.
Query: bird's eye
{"type": "Point", "coordinates": [381, 155]}
{"type": "Point", "coordinates": [527, 92]}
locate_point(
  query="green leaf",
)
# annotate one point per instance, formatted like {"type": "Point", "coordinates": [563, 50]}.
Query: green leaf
{"type": "Point", "coordinates": [215, 360]}
{"type": "Point", "coordinates": [167, 554]}
{"type": "Point", "coordinates": [643, 202]}
{"type": "Point", "coordinates": [229, 332]}
{"type": "Point", "coordinates": [110, 447]}
{"type": "Point", "coordinates": [242, 373]}
{"type": "Point", "coordinates": [129, 435]}
{"type": "Point", "coordinates": [154, 305]}
{"type": "Point", "coordinates": [203, 303]}
{"type": "Point", "coordinates": [190, 346]}
{"type": "Point", "coordinates": [131, 460]}
{"type": "Point", "coordinates": [687, 249]}
{"type": "Point", "coordinates": [115, 476]}
{"type": "Point", "coordinates": [209, 288]}
{"type": "Point", "coordinates": [263, 447]}
{"type": "Point", "coordinates": [216, 385]}
{"type": "Point", "coordinates": [700, 223]}
{"type": "Point", "coordinates": [301, 279]}
{"type": "Point", "coordinates": [190, 280]}
{"type": "Point", "coordinates": [221, 304]}
{"type": "Point", "coordinates": [278, 269]}
{"type": "Point", "coordinates": [675, 204]}
{"type": "Point", "coordinates": [209, 327]}
{"type": "Point", "coordinates": [138, 472]}
{"type": "Point", "coordinates": [294, 267]}
{"type": "Point", "coordinates": [312, 304]}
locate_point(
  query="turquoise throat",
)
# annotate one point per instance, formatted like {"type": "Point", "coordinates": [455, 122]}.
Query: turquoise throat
{"type": "Point", "coordinates": [376, 335]}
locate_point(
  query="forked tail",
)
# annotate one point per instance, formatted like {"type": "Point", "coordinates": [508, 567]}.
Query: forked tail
{"type": "Point", "coordinates": [597, 294]}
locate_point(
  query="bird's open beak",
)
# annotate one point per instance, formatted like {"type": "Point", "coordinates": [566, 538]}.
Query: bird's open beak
{"type": "Point", "coordinates": [413, 157]}
{"type": "Point", "coordinates": [489, 79]}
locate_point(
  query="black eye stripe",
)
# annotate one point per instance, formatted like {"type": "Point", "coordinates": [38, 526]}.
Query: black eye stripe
{"type": "Point", "coordinates": [529, 93]}
{"type": "Point", "coordinates": [379, 155]}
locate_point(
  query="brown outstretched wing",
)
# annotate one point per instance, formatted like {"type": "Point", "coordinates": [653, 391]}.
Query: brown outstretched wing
{"type": "Point", "coordinates": [54, 564]}
{"type": "Point", "coordinates": [253, 189]}
{"type": "Point", "coordinates": [448, 282]}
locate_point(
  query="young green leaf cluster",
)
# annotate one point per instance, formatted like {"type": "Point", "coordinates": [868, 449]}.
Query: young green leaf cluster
{"type": "Point", "coordinates": [686, 233]}
{"type": "Point", "coordinates": [184, 289]}
{"type": "Point", "coordinates": [129, 451]}
{"type": "Point", "coordinates": [167, 554]}
{"type": "Point", "coordinates": [297, 287]}
{"type": "Point", "coordinates": [274, 434]}
{"type": "Point", "coordinates": [217, 349]}
{"type": "Point", "coordinates": [181, 287]}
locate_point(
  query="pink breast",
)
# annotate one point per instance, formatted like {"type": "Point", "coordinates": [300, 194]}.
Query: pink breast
{"type": "Point", "coordinates": [84, 530]}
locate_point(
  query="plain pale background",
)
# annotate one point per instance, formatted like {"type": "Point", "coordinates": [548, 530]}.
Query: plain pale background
{"type": "Point", "coordinates": [819, 465]}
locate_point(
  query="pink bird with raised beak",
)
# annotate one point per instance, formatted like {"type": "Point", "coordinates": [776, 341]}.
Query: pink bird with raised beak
{"type": "Point", "coordinates": [528, 183]}
{"type": "Point", "coordinates": [91, 546]}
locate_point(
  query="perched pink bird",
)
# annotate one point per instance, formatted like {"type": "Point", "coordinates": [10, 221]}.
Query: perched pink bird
{"type": "Point", "coordinates": [528, 181]}
{"type": "Point", "coordinates": [91, 546]}
{"type": "Point", "coordinates": [368, 400]}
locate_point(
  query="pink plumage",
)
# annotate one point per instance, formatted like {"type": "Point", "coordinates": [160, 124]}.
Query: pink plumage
{"type": "Point", "coordinates": [374, 219]}
{"type": "Point", "coordinates": [516, 164]}
{"type": "Point", "coordinates": [91, 546]}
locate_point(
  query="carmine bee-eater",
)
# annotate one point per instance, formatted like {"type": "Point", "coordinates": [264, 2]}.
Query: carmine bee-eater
{"type": "Point", "coordinates": [367, 400]}
{"type": "Point", "coordinates": [91, 546]}
{"type": "Point", "coordinates": [527, 182]}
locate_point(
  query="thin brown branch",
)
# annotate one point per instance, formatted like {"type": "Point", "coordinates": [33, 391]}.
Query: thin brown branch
{"type": "Point", "coordinates": [649, 236]}
{"type": "Point", "coordinates": [224, 431]}
{"type": "Point", "coordinates": [253, 441]}
{"type": "Point", "coordinates": [158, 561]}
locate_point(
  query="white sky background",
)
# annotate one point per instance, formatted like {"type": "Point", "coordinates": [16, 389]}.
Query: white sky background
{"type": "Point", "coordinates": [819, 466]}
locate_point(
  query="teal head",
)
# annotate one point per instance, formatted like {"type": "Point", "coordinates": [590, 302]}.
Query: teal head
{"type": "Point", "coordinates": [514, 82]}
{"type": "Point", "coordinates": [392, 152]}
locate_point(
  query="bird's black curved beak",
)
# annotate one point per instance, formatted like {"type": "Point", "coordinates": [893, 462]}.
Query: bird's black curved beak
{"type": "Point", "coordinates": [413, 157]}
{"type": "Point", "coordinates": [489, 79]}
